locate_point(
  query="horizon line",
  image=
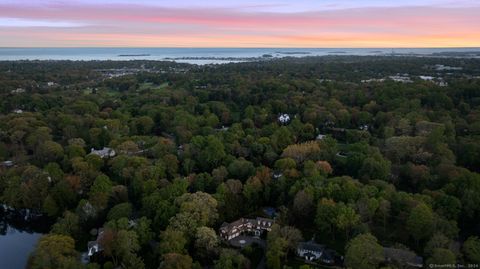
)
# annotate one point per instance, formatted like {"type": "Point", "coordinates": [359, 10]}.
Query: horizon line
{"type": "Point", "coordinates": [187, 47]}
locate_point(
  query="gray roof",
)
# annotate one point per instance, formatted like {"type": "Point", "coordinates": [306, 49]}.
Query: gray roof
{"type": "Point", "coordinates": [311, 246]}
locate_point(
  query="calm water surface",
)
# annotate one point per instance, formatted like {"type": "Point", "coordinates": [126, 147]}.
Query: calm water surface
{"type": "Point", "coordinates": [15, 246]}
{"type": "Point", "coordinates": [213, 55]}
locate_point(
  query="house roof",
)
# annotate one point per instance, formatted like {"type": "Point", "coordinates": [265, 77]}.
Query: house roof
{"type": "Point", "coordinates": [264, 219]}
{"type": "Point", "coordinates": [103, 152]}
{"type": "Point", "coordinates": [311, 246]}
{"type": "Point", "coordinates": [228, 227]}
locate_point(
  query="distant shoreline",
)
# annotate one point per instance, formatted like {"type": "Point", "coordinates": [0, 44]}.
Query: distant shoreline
{"type": "Point", "coordinates": [133, 55]}
{"type": "Point", "coordinates": [217, 55]}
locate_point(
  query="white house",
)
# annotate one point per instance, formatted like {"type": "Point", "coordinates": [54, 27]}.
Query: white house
{"type": "Point", "coordinates": [364, 127]}
{"type": "Point", "coordinates": [284, 118]}
{"type": "Point", "coordinates": [104, 153]}
{"type": "Point", "coordinates": [310, 251]}
{"type": "Point", "coordinates": [277, 175]}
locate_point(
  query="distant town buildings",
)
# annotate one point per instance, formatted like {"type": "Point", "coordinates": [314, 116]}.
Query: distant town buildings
{"type": "Point", "coordinates": [438, 81]}
{"type": "Point", "coordinates": [18, 90]}
{"type": "Point", "coordinates": [441, 67]}
{"type": "Point", "coordinates": [373, 80]}
{"type": "Point", "coordinates": [427, 78]}
{"type": "Point", "coordinates": [405, 78]}
{"type": "Point", "coordinates": [104, 153]}
{"type": "Point", "coordinates": [401, 78]}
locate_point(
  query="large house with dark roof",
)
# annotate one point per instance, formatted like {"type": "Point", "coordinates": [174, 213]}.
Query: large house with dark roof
{"type": "Point", "coordinates": [229, 231]}
{"type": "Point", "coordinates": [312, 252]}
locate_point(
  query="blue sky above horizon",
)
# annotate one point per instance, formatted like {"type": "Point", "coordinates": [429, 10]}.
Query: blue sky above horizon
{"type": "Point", "coordinates": [240, 23]}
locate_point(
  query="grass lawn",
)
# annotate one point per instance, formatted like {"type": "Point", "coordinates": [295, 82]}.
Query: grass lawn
{"type": "Point", "coordinates": [152, 87]}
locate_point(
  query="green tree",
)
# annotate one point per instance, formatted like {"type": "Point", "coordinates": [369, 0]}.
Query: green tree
{"type": "Point", "coordinates": [442, 256]}
{"type": "Point", "coordinates": [176, 261]}
{"type": "Point", "coordinates": [471, 248]}
{"type": "Point", "coordinates": [346, 219]}
{"type": "Point", "coordinates": [143, 125]}
{"type": "Point", "coordinates": [196, 210]}
{"type": "Point", "coordinates": [437, 241]}
{"type": "Point", "coordinates": [282, 138]}
{"type": "Point", "coordinates": [172, 241]}
{"type": "Point", "coordinates": [326, 215]}
{"type": "Point", "coordinates": [49, 151]}
{"type": "Point", "coordinates": [208, 151]}
{"type": "Point", "coordinates": [206, 242]}
{"type": "Point", "coordinates": [68, 225]}
{"type": "Point", "coordinates": [120, 245]}
{"type": "Point", "coordinates": [231, 259]}
{"type": "Point", "coordinates": [420, 222]}
{"type": "Point", "coordinates": [363, 252]}
{"type": "Point", "coordinates": [144, 231]}
{"type": "Point", "coordinates": [375, 168]}
{"type": "Point", "coordinates": [123, 210]}
{"type": "Point", "coordinates": [280, 241]}
{"type": "Point", "coordinates": [54, 251]}
{"type": "Point", "coordinates": [241, 169]}
{"type": "Point", "coordinates": [303, 204]}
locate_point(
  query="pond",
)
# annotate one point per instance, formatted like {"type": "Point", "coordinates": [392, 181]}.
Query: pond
{"type": "Point", "coordinates": [18, 238]}
{"type": "Point", "coordinates": [15, 247]}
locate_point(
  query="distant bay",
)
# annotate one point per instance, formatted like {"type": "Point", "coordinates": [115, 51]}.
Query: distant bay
{"type": "Point", "coordinates": [216, 55]}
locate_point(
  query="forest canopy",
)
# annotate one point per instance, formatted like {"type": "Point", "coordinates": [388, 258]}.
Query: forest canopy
{"type": "Point", "coordinates": [151, 163]}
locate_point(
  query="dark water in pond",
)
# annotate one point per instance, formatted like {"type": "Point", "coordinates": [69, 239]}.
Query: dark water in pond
{"type": "Point", "coordinates": [15, 247]}
{"type": "Point", "coordinates": [18, 239]}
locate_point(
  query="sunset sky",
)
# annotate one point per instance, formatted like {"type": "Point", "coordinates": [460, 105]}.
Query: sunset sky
{"type": "Point", "coordinates": [240, 23]}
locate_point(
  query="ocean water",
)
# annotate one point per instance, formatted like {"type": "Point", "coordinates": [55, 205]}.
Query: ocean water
{"type": "Point", "coordinates": [203, 55]}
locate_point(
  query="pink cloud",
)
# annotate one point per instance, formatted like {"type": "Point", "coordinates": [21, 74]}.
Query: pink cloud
{"type": "Point", "coordinates": [135, 25]}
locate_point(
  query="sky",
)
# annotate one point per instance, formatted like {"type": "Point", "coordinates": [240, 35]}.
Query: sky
{"type": "Point", "coordinates": [240, 23]}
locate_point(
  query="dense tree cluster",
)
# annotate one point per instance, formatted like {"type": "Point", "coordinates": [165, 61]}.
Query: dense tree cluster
{"type": "Point", "coordinates": [196, 146]}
